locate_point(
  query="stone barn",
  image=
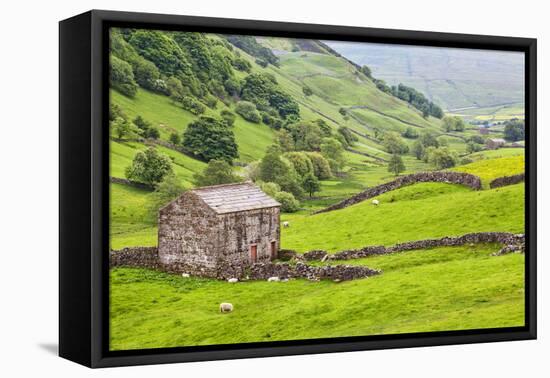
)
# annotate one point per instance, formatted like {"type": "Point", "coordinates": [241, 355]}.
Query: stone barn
{"type": "Point", "coordinates": [218, 231]}
{"type": "Point", "coordinates": [495, 143]}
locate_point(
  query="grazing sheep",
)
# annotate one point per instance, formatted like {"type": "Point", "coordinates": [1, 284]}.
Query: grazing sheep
{"type": "Point", "coordinates": [273, 279]}
{"type": "Point", "coordinates": [375, 202]}
{"type": "Point", "coordinates": [233, 280]}
{"type": "Point", "coordinates": [226, 307]}
{"type": "Point", "coordinates": [286, 224]}
{"type": "Point", "coordinates": [185, 275]}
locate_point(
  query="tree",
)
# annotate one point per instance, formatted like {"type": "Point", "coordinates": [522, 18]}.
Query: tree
{"type": "Point", "coordinates": [333, 151]}
{"type": "Point", "coordinates": [428, 140]}
{"type": "Point", "coordinates": [274, 168]}
{"type": "Point", "coordinates": [165, 191]}
{"type": "Point", "coordinates": [306, 135]}
{"type": "Point", "coordinates": [152, 133]}
{"type": "Point", "coordinates": [175, 138]}
{"type": "Point", "coordinates": [307, 91]}
{"type": "Point", "coordinates": [418, 149]}
{"type": "Point", "coordinates": [248, 111]}
{"type": "Point", "coordinates": [325, 128]}
{"type": "Point", "coordinates": [349, 137]}
{"type": "Point", "coordinates": [514, 130]}
{"type": "Point", "coordinates": [453, 123]}
{"type": "Point", "coordinates": [192, 105]}
{"type": "Point", "coordinates": [394, 144]}
{"type": "Point", "coordinates": [442, 158]}
{"type": "Point", "coordinates": [396, 165]}
{"type": "Point", "coordinates": [122, 77]}
{"type": "Point", "coordinates": [269, 188]}
{"type": "Point", "coordinates": [366, 71]}
{"type": "Point", "coordinates": [321, 167]}
{"type": "Point", "coordinates": [122, 128]}
{"type": "Point", "coordinates": [301, 162]}
{"type": "Point", "coordinates": [216, 172]}
{"type": "Point", "coordinates": [410, 133]}
{"type": "Point", "coordinates": [288, 202]}
{"type": "Point", "coordinates": [285, 141]}
{"type": "Point", "coordinates": [209, 138]}
{"type": "Point", "coordinates": [149, 167]}
{"type": "Point", "coordinates": [472, 147]}
{"type": "Point", "coordinates": [310, 183]}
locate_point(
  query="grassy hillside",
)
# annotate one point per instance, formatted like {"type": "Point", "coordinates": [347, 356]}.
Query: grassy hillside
{"type": "Point", "coordinates": [434, 290]}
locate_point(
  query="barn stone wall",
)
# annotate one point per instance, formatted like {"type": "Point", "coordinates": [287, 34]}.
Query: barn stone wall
{"type": "Point", "coordinates": [461, 178]}
{"type": "Point", "coordinates": [238, 231]}
{"type": "Point", "coordinates": [187, 236]}
{"type": "Point", "coordinates": [142, 257]}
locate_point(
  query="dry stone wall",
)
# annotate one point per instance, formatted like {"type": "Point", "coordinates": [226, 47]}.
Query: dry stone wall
{"type": "Point", "coordinates": [461, 178]}
{"type": "Point", "coordinates": [507, 180]}
{"type": "Point", "coordinates": [508, 240]}
{"type": "Point", "coordinates": [139, 185]}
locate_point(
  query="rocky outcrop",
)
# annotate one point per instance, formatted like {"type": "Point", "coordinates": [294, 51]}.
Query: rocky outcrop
{"type": "Point", "coordinates": [460, 178]}
{"type": "Point", "coordinates": [507, 180]}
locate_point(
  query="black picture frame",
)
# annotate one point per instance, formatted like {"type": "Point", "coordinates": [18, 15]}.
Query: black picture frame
{"type": "Point", "coordinates": [84, 194]}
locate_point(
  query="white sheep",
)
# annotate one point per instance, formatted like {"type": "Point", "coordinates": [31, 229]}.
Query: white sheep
{"type": "Point", "coordinates": [233, 280]}
{"type": "Point", "coordinates": [286, 224]}
{"type": "Point", "coordinates": [226, 307]}
{"type": "Point", "coordinates": [185, 275]}
{"type": "Point", "coordinates": [273, 279]}
{"type": "Point", "coordinates": [375, 202]}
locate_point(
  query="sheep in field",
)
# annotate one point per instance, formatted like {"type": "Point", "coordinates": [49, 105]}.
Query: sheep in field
{"type": "Point", "coordinates": [273, 279]}
{"type": "Point", "coordinates": [375, 202]}
{"type": "Point", "coordinates": [286, 224]}
{"type": "Point", "coordinates": [226, 307]}
{"type": "Point", "coordinates": [233, 280]}
{"type": "Point", "coordinates": [185, 275]}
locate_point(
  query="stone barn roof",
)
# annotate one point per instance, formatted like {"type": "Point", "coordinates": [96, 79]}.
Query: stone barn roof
{"type": "Point", "coordinates": [231, 198]}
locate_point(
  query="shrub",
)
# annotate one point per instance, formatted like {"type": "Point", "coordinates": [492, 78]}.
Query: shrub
{"type": "Point", "coordinates": [514, 130]}
{"type": "Point", "coordinates": [228, 117]}
{"type": "Point", "coordinates": [192, 105]}
{"type": "Point", "coordinates": [248, 111]}
{"type": "Point", "coordinates": [165, 191]}
{"type": "Point", "coordinates": [288, 202]}
{"type": "Point", "coordinates": [410, 133]}
{"type": "Point", "coordinates": [275, 168]}
{"type": "Point", "coordinates": [269, 188]}
{"type": "Point", "coordinates": [232, 87]}
{"type": "Point", "coordinates": [152, 133]}
{"type": "Point", "coordinates": [333, 151]}
{"type": "Point", "coordinates": [241, 64]}
{"type": "Point", "coordinates": [175, 138]}
{"type": "Point", "coordinates": [394, 144]}
{"type": "Point", "coordinates": [307, 90]}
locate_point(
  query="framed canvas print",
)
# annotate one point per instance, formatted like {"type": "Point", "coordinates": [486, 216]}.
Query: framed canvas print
{"type": "Point", "coordinates": [234, 188]}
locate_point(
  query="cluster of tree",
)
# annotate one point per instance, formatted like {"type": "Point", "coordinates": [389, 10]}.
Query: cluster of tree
{"type": "Point", "coordinates": [394, 144]}
{"type": "Point", "coordinates": [263, 55]}
{"type": "Point", "coordinates": [121, 127]}
{"type": "Point", "coordinates": [434, 151]}
{"type": "Point", "coordinates": [418, 100]}
{"type": "Point", "coordinates": [475, 143]}
{"type": "Point", "coordinates": [318, 137]}
{"type": "Point", "coordinates": [453, 123]}
{"type": "Point", "coordinates": [514, 130]}
{"type": "Point", "coordinates": [263, 91]}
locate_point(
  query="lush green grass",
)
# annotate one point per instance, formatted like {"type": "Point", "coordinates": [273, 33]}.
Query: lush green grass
{"type": "Point", "coordinates": [501, 152]}
{"type": "Point", "coordinates": [131, 221]}
{"type": "Point", "coordinates": [490, 169]}
{"type": "Point", "coordinates": [407, 218]}
{"type": "Point", "coordinates": [442, 289]}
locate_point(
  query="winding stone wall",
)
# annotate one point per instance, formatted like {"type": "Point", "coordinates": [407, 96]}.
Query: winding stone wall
{"type": "Point", "coordinates": [510, 241]}
{"type": "Point", "coordinates": [461, 178]}
{"type": "Point", "coordinates": [507, 180]}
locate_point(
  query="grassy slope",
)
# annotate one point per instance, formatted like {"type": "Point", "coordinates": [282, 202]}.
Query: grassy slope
{"type": "Point", "coordinates": [455, 212]}
{"type": "Point", "coordinates": [441, 289]}
{"type": "Point", "coordinates": [490, 169]}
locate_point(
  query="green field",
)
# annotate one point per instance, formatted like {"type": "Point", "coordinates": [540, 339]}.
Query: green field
{"type": "Point", "coordinates": [434, 290]}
